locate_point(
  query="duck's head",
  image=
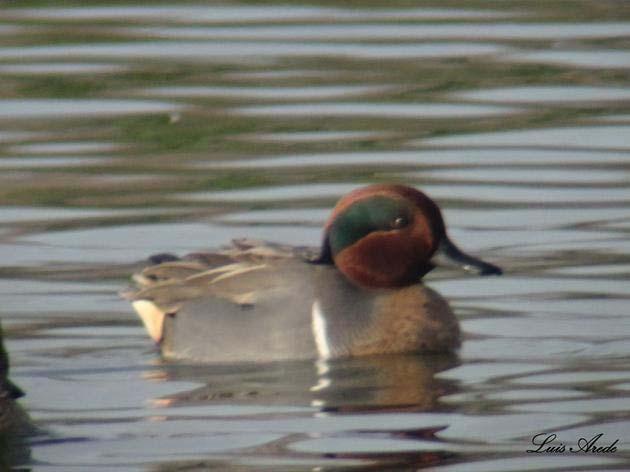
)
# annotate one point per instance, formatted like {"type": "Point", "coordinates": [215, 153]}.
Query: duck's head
{"type": "Point", "coordinates": [383, 236]}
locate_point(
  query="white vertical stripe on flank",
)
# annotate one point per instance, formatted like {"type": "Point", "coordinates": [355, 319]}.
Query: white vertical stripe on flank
{"type": "Point", "coordinates": [320, 335]}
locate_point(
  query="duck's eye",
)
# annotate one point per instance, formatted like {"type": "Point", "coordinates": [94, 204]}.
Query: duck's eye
{"type": "Point", "coordinates": [399, 222]}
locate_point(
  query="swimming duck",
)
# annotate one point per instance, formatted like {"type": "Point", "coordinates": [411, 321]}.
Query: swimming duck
{"type": "Point", "coordinates": [8, 390]}
{"type": "Point", "coordinates": [359, 294]}
{"type": "Point", "coordinates": [15, 423]}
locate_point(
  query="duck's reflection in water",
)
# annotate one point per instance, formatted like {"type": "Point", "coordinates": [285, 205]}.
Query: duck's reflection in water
{"type": "Point", "coordinates": [400, 381]}
{"type": "Point", "coordinates": [354, 399]}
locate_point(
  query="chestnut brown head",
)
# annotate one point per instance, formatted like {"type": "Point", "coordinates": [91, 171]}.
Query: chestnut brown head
{"type": "Point", "coordinates": [387, 235]}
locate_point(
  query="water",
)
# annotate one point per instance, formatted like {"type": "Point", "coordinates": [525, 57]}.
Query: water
{"type": "Point", "coordinates": [129, 130]}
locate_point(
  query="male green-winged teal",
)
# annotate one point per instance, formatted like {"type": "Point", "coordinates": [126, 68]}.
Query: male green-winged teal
{"type": "Point", "coordinates": [360, 294]}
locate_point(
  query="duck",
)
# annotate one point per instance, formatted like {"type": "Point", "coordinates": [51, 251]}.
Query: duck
{"type": "Point", "coordinates": [360, 293]}
{"type": "Point", "coordinates": [8, 390]}
{"type": "Point", "coordinates": [15, 424]}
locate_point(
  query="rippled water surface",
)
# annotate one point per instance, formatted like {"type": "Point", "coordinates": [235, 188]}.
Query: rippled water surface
{"type": "Point", "coordinates": [127, 130]}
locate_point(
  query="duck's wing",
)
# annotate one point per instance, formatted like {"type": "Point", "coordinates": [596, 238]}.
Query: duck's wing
{"type": "Point", "coordinates": [240, 274]}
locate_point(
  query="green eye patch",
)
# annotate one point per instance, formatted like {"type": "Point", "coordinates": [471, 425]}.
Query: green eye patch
{"type": "Point", "coordinates": [377, 213]}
